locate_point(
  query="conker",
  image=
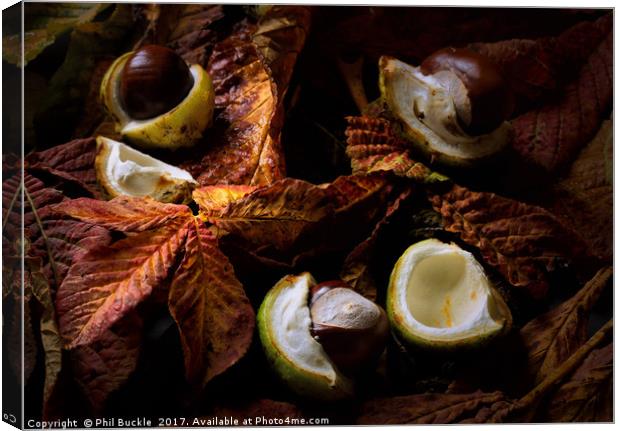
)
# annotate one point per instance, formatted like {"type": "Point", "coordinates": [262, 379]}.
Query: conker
{"type": "Point", "coordinates": [153, 81]}
{"type": "Point", "coordinates": [481, 96]}
{"type": "Point", "coordinates": [352, 329]}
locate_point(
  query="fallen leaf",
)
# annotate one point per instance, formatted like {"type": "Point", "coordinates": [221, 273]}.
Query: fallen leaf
{"type": "Point", "coordinates": [124, 213]}
{"type": "Point", "coordinates": [537, 69]}
{"type": "Point", "coordinates": [73, 162]}
{"type": "Point", "coordinates": [522, 241]}
{"type": "Point", "coordinates": [373, 146]}
{"type": "Point", "coordinates": [550, 137]}
{"type": "Point", "coordinates": [104, 366]}
{"type": "Point", "coordinates": [214, 317]}
{"type": "Point", "coordinates": [584, 199]}
{"type": "Point", "coordinates": [112, 280]}
{"type": "Point", "coordinates": [587, 395]}
{"type": "Point", "coordinates": [550, 339]}
{"type": "Point", "coordinates": [43, 23]}
{"type": "Point", "coordinates": [356, 270]}
{"type": "Point", "coordinates": [213, 200]}
{"type": "Point", "coordinates": [434, 409]}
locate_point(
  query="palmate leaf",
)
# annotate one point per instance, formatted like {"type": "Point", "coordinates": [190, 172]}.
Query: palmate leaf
{"type": "Point", "coordinates": [553, 337]}
{"type": "Point", "coordinates": [373, 146]}
{"type": "Point", "coordinates": [110, 281]}
{"type": "Point", "coordinates": [292, 219]}
{"type": "Point", "coordinates": [213, 314]}
{"type": "Point", "coordinates": [43, 23]}
{"type": "Point", "coordinates": [522, 241]}
{"type": "Point", "coordinates": [215, 318]}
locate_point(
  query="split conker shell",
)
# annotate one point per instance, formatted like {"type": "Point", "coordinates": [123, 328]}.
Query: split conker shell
{"type": "Point", "coordinates": [181, 126]}
{"type": "Point", "coordinates": [486, 93]}
{"type": "Point", "coordinates": [153, 80]}
{"type": "Point", "coordinates": [352, 329]}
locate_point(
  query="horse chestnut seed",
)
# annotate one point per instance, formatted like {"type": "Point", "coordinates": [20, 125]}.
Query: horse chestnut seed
{"type": "Point", "coordinates": [153, 81]}
{"type": "Point", "coordinates": [480, 94]}
{"type": "Point", "coordinates": [352, 329]}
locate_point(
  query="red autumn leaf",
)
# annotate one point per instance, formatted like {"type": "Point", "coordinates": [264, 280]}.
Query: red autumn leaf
{"type": "Point", "coordinates": [373, 146]}
{"type": "Point", "coordinates": [537, 69]}
{"type": "Point", "coordinates": [522, 241]}
{"type": "Point", "coordinates": [584, 199]}
{"type": "Point", "coordinates": [551, 136]}
{"type": "Point", "coordinates": [124, 213]}
{"type": "Point", "coordinates": [104, 366]}
{"type": "Point", "coordinates": [553, 337]}
{"type": "Point", "coordinates": [587, 395]}
{"type": "Point", "coordinates": [214, 317]}
{"type": "Point", "coordinates": [435, 409]}
{"type": "Point", "coordinates": [110, 281]}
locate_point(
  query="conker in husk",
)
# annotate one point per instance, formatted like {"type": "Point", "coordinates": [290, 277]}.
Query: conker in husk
{"type": "Point", "coordinates": [480, 94]}
{"type": "Point", "coordinates": [352, 329]}
{"type": "Point", "coordinates": [153, 81]}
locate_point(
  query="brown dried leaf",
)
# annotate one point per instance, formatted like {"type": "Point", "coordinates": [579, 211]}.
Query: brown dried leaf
{"type": "Point", "coordinates": [73, 162]}
{"type": "Point", "coordinates": [246, 99]}
{"type": "Point", "coordinates": [435, 409]}
{"type": "Point", "coordinates": [587, 396]}
{"type": "Point", "coordinates": [584, 199]}
{"type": "Point", "coordinates": [213, 200]}
{"type": "Point", "coordinates": [214, 317]}
{"type": "Point", "coordinates": [551, 136]}
{"type": "Point", "coordinates": [553, 337]}
{"type": "Point", "coordinates": [356, 267]}
{"type": "Point", "coordinates": [522, 241]}
{"type": "Point", "coordinates": [373, 146]}
{"type": "Point", "coordinates": [110, 281]}
{"type": "Point", "coordinates": [124, 213]}
{"type": "Point", "coordinates": [104, 366]}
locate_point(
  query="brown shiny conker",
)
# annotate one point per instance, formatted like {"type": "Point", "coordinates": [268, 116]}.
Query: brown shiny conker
{"type": "Point", "coordinates": [480, 93]}
{"type": "Point", "coordinates": [352, 329]}
{"type": "Point", "coordinates": [154, 80]}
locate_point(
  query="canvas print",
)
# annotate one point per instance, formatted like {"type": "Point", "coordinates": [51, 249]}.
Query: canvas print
{"type": "Point", "coordinates": [306, 215]}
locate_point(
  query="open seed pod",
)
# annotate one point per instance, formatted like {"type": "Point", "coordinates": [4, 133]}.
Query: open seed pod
{"type": "Point", "coordinates": [444, 111]}
{"type": "Point", "coordinates": [156, 100]}
{"type": "Point", "coordinates": [439, 297]}
{"type": "Point", "coordinates": [298, 359]}
{"type": "Point", "coordinates": [122, 170]}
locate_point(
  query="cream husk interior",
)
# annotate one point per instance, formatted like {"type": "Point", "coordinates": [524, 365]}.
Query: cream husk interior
{"type": "Point", "coordinates": [424, 105]}
{"type": "Point", "coordinates": [446, 295]}
{"type": "Point", "coordinates": [134, 173]}
{"type": "Point", "coordinates": [290, 323]}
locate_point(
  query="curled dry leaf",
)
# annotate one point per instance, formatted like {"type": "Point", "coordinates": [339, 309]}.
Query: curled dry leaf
{"type": "Point", "coordinates": [373, 146]}
{"type": "Point", "coordinates": [102, 367]}
{"type": "Point", "coordinates": [215, 318]}
{"type": "Point", "coordinates": [522, 241]}
{"type": "Point", "coordinates": [587, 395]}
{"type": "Point", "coordinates": [553, 337]}
{"type": "Point", "coordinates": [584, 199]}
{"type": "Point", "coordinates": [551, 136]}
